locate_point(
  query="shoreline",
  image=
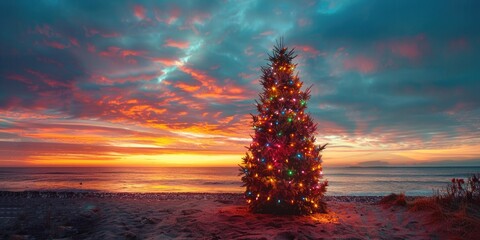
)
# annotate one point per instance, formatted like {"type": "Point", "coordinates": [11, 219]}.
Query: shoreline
{"type": "Point", "coordinates": [171, 196]}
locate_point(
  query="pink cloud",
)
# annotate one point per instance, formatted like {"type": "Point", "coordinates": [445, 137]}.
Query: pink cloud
{"type": "Point", "coordinates": [198, 18]}
{"type": "Point", "coordinates": [360, 63]}
{"type": "Point", "coordinates": [302, 22]}
{"type": "Point", "coordinates": [411, 48]}
{"type": "Point", "coordinates": [54, 44]}
{"type": "Point", "coordinates": [54, 83]}
{"type": "Point", "coordinates": [331, 128]}
{"type": "Point", "coordinates": [194, 19]}
{"type": "Point", "coordinates": [211, 89]}
{"type": "Point", "coordinates": [74, 41]}
{"type": "Point", "coordinates": [114, 51]}
{"type": "Point", "coordinates": [311, 51]}
{"type": "Point", "coordinates": [126, 53]}
{"type": "Point", "coordinates": [174, 14]}
{"type": "Point", "coordinates": [167, 18]}
{"type": "Point", "coordinates": [186, 87]}
{"type": "Point", "coordinates": [166, 61]}
{"type": "Point", "coordinates": [176, 44]}
{"type": "Point", "coordinates": [216, 115]}
{"type": "Point", "coordinates": [246, 75]}
{"type": "Point", "coordinates": [458, 45]}
{"type": "Point", "coordinates": [458, 107]}
{"type": "Point", "coordinates": [139, 12]}
{"type": "Point", "coordinates": [406, 49]}
{"type": "Point", "coordinates": [340, 52]}
{"type": "Point", "coordinates": [248, 51]}
{"type": "Point", "coordinates": [50, 61]}
{"type": "Point", "coordinates": [91, 48]}
{"type": "Point", "coordinates": [110, 52]}
{"type": "Point", "coordinates": [267, 33]}
{"type": "Point", "coordinates": [19, 78]}
{"type": "Point", "coordinates": [199, 76]}
{"type": "Point", "coordinates": [90, 32]}
{"type": "Point", "coordinates": [47, 79]}
{"type": "Point", "coordinates": [111, 80]}
{"type": "Point", "coordinates": [46, 30]}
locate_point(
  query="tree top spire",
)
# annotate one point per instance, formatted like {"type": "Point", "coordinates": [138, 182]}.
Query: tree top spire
{"type": "Point", "coordinates": [281, 53]}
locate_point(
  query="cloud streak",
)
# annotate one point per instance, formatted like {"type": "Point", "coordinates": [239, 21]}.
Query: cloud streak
{"type": "Point", "coordinates": [394, 82]}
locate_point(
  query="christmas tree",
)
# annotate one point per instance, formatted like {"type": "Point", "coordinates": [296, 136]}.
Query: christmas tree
{"type": "Point", "coordinates": [282, 169]}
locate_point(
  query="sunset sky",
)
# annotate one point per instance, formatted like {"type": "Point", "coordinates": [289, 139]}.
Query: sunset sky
{"type": "Point", "coordinates": [170, 83]}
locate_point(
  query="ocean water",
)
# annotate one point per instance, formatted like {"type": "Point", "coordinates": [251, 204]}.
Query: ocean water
{"type": "Point", "coordinates": [365, 181]}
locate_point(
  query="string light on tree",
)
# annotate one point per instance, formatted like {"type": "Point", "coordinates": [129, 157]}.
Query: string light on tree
{"type": "Point", "coordinates": [282, 169]}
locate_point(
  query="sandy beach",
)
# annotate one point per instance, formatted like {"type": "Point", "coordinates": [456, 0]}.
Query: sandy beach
{"type": "Point", "coordinates": [54, 215]}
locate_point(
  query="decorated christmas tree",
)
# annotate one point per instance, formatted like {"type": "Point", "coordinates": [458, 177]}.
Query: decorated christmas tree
{"type": "Point", "coordinates": [282, 169]}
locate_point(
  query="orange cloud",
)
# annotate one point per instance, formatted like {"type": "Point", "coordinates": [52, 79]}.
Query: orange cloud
{"type": "Point", "coordinates": [202, 77]}
{"type": "Point", "coordinates": [166, 61]}
{"type": "Point", "coordinates": [211, 88]}
{"type": "Point", "coordinates": [124, 54]}
{"type": "Point", "coordinates": [186, 87]}
{"type": "Point", "coordinates": [111, 80]}
{"type": "Point", "coordinates": [176, 44]}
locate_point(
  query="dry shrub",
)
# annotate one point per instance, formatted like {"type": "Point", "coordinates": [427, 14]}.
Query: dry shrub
{"type": "Point", "coordinates": [423, 204]}
{"type": "Point", "coordinates": [461, 191]}
{"type": "Point", "coordinates": [394, 200]}
{"type": "Point", "coordinates": [456, 208]}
